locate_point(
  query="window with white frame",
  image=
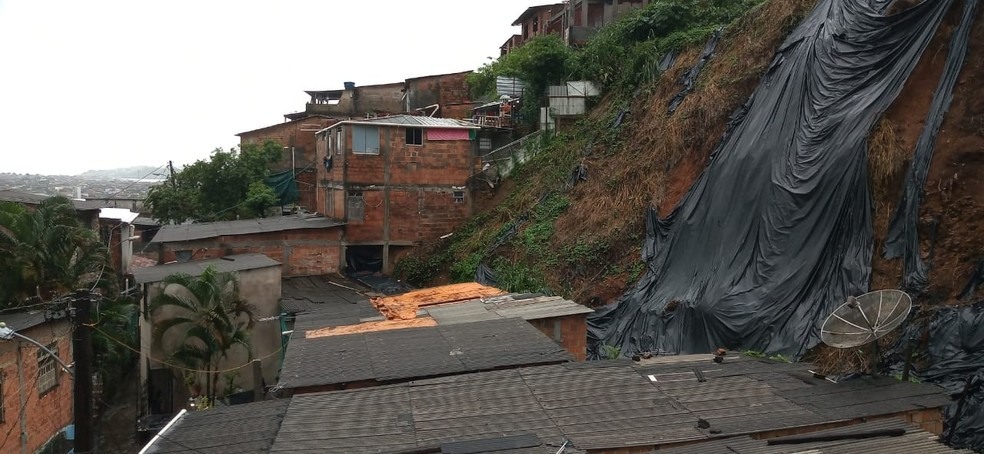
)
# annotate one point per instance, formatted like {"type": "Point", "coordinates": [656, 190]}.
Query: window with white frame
{"type": "Point", "coordinates": [47, 369]}
{"type": "Point", "coordinates": [365, 139]}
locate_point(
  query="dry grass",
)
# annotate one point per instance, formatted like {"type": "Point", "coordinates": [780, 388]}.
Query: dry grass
{"type": "Point", "coordinates": [664, 153]}
{"type": "Point", "coordinates": [887, 158]}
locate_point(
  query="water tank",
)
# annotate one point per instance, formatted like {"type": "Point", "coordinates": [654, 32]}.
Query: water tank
{"type": "Point", "coordinates": [349, 85]}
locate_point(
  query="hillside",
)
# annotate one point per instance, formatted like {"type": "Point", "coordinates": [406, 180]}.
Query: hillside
{"type": "Point", "coordinates": [756, 213]}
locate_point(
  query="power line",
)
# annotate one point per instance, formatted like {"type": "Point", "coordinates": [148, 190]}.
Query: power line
{"type": "Point", "coordinates": [175, 366]}
{"type": "Point", "coordinates": [135, 182]}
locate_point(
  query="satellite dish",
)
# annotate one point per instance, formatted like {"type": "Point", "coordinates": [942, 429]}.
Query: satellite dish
{"type": "Point", "coordinates": [865, 318]}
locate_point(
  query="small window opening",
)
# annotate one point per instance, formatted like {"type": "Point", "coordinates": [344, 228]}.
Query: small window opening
{"type": "Point", "coordinates": [415, 136]}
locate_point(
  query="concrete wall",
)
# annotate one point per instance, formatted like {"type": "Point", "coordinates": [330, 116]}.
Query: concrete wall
{"type": "Point", "coordinates": [305, 252]}
{"type": "Point", "coordinates": [44, 415]}
{"type": "Point", "coordinates": [261, 288]}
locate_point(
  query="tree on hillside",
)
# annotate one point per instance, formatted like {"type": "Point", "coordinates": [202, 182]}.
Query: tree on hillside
{"type": "Point", "coordinates": [229, 185]}
{"type": "Point", "coordinates": [46, 252]}
{"type": "Point", "coordinates": [209, 318]}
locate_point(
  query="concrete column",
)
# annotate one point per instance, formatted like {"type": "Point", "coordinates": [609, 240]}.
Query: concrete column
{"type": "Point", "coordinates": [609, 15]}
{"type": "Point", "coordinates": [584, 13]}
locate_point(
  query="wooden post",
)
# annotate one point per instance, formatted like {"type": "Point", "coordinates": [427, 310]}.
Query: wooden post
{"type": "Point", "coordinates": [257, 380]}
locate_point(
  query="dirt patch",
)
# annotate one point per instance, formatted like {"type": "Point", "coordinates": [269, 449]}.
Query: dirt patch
{"type": "Point", "coordinates": [370, 327]}
{"type": "Point", "coordinates": [953, 208]}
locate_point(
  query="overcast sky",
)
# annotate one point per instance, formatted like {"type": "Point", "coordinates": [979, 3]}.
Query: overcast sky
{"type": "Point", "coordinates": [103, 84]}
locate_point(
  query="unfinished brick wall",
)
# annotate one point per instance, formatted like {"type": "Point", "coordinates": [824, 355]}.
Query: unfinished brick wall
{"type": "Point", "coordinates": [570, 331]}
{"type": "Point", "coordinates": [443, 90]}
{"type": "Point", "coordinates": [44, 415]}
{"type": "Point", "coordinates": [299, 134]}
{"type": "Point", "coordinates": [307, 252]}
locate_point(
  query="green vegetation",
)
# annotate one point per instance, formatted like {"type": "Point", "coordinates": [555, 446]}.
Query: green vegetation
{"type": "Point", "coordinates": [210, 318]}
{"type": "Point", "coordinates": [611, 352]}
{"type": "Point", "coordinates": [549, 236]}
{"type": "Point", "coordinates": [621, 56]}
{"type": "Point", "coordinates": [46, 252]}
{"type": "Point", "coordinates": [229, 185]}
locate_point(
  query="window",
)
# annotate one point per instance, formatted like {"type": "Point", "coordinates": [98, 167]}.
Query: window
{"type": "Point", "coordinates": [356, 207]}
{"type": "Point", "coordinates": [459, 196]}
{"type": "Point", "coordinates": [485, 143]}
{"type": "Point", "coordinates": [415, 136]}
{"type": "Point", "coordinates": [338, 141]}
{"type": "Point", "coordinates": [365, 139]}
{"type": "Point", "coordinates": [47, 369]}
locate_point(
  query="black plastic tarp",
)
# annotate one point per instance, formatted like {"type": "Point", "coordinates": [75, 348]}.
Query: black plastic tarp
{"type": "Point", "coordinates": [776, 231]}
{"type": "Point", "coordinates": [950, 353]}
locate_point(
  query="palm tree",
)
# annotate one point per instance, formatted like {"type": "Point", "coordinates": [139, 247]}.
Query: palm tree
{"type": "Point", "coordinates": [209, 316]}
{"type": "Point", "coordinates": [45, 251]}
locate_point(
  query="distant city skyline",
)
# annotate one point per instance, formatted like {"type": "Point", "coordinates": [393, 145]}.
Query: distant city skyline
{"type": "Point", "coordinates": [113, 83]}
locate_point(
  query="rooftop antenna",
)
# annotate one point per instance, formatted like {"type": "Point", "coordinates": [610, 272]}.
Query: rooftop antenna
{"type": "Point", "coordinates": [864, 319]}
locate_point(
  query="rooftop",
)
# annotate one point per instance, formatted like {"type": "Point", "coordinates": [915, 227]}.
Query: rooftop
{"type": "Point", "coordinates": [416, 121]}
{"type": "Point", "coordinates": [335, 297]}
{"type": "Point", "coordinates": [19, 321]}
{"type": "Point", "coordinates": [247, 428]}
{"type": "Point", "coordinates": [467, 302]}
{"type": "Point", "coordinates": [896, 437]}
{"type": "Point", "coordinates": [301, 119]}
{"type": "Point", "coordinates": [525, 306]}
{"type": "Point", "coordinates": [534, 10]}
{"type": "Point", "coordinates": [188, 232]}
{"type": "Point", "coordinates": [596, 405]}
{"type": "Point", "coordinates": [227, 264]}
{"type": "Point", "coordinates": [27, 198]}
{"type": "Point", "coordinates": [407, 353]}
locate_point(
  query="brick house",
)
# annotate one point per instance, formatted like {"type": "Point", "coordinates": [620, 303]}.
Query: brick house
{"type": "Point", "coordinates": [36, 404]}
{"type": "Point", "coordinates": [354, 102]}
{"type": "Point", "coordinates": [395, 181]}
{"type": "Point", "coordinates": [162, 391]}
{"type": "Point", "coordinates": [305, 245]}
{"type": "Point", "coordinates": [535, 21]}
{"type": "Point", "coordinates": [297, 138]}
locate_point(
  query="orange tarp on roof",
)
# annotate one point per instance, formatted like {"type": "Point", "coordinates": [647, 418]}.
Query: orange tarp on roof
{"type": "Point", "coordinates": [369, 327]}
{"type": "Point", "coordinates": [404, 307]}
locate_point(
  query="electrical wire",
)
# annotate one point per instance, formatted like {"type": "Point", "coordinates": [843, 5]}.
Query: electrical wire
{"type": "Point", "coordinates": [134, 182]}
{"type": "Point", "coordinates": [175, 366]}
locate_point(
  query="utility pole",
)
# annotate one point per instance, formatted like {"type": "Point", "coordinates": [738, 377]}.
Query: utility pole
{"type": "Point", "coordinates": [170, 166]}
{"type": "Point", "coordinates": [82, 352]}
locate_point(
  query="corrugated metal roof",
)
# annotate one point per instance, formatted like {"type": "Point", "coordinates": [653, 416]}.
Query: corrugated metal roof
{"type": "Point", "coordinates": [246, 428]}
{"type": "Point", "coordinates": [527, 307]}
{"type": "Point", "coordinates": [416, 352]}
{"type": "Point", "coordinates": [187, 232]}
{"type": "Point", "coordinates": [409, 120]}
{"type": "Point", "coordinates": [20, 321]}
{"type": "Point", "coordinates": [597, 405]}
{"type": "Point", "coordinates": [227, 264]}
